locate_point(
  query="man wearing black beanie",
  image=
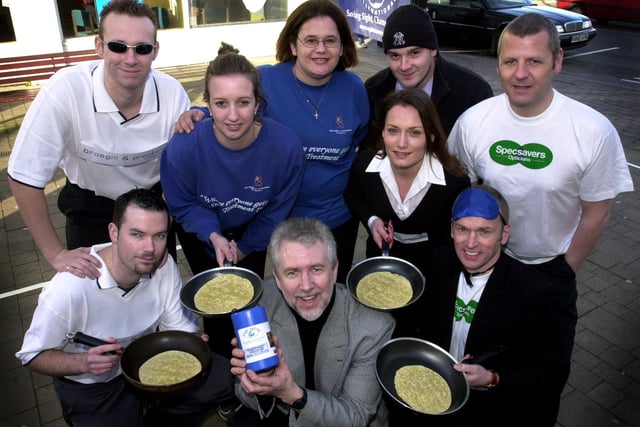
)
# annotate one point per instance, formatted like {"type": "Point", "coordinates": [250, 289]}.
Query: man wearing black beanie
{"type": "Point", "coordinates": [411, 45]}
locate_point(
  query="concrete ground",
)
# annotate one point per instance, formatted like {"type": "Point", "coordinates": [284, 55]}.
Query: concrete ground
{"type": "Point", "coordinates": [604, 386]}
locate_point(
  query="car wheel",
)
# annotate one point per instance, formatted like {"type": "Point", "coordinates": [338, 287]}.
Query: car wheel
{"type": "Point", "coordinates": [579, 8]}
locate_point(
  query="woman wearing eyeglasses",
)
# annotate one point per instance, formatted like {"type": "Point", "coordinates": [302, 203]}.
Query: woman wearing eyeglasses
{"type": "Point", "coordinates": [327, 106]}
{"type": "Point", "coordinates": [311, 92]}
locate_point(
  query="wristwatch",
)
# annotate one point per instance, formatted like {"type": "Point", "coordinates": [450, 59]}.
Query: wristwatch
{"type": "Point", "coordinates": [299, 404]}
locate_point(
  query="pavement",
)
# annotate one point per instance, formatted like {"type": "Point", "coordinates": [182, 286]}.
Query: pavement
{"type": "Point", "coordinates": [604, 385]}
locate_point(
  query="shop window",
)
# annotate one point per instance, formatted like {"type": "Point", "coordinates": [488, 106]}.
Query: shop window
{"type": "Point", "coordinates": [7, 34]}
{"type": "Point", "coordinates": [210, 12]}
{"type": "Point", "coordinates": [80, 17]}
{"type": "Point", "coordinates": [168, 12]}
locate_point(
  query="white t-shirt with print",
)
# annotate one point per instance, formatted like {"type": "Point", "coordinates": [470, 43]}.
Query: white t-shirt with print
{"type": "Point", "coordinates": [543, 166]}
{"type": "Point", "coordinates": [467, 300]}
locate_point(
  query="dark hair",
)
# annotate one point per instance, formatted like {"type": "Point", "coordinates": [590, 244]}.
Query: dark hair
{"type": "Point", "coordinates": [426, 109]}
{"type": "Point", "coordinates": [530, 24]}
{"type": "Point", "coordinates": [229, 62]}
{"type": "Point", "coordinates": [130, 8]}
{"type": "Point", "coordinates": [314, 9]}
{"type": "Point", "coordinates": [143, 198]}
{"type": "Point", "coordinates": [306, 231]}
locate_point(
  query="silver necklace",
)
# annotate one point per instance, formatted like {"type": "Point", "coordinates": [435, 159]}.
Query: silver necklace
{"type": "Point", "coordinates": [315, 107]}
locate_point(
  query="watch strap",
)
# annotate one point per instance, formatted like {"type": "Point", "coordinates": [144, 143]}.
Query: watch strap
{"type": "Point", "coordinates": [299, 404]}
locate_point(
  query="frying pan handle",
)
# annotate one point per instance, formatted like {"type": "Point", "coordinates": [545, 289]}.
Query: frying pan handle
{"type": "Point", "coordinates": [229, 235]}
{"type": "Point", "coordinates": [88, 340]}
{"type": "Point", "coordinates": [485, 355]}
{"type": "Point", "coordinates": [385, 244]}
{"type": "Point", "coordinates": [385, 248]}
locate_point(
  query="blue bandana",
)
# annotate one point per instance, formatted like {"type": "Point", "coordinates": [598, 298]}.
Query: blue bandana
{"type": "Point", "coordinates": [475, 202]}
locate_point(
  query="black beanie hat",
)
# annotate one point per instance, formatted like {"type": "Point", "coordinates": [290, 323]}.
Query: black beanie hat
{"type": "Point", "coordinates": [409, 25]}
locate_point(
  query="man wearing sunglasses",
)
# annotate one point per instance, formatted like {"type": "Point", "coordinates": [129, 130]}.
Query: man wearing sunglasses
{"type": "Point", "coordinates": [104, 124]}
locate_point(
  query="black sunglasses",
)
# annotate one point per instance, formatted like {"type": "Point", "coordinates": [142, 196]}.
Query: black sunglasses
{"type": "Point", "coordinates": [140, 49]}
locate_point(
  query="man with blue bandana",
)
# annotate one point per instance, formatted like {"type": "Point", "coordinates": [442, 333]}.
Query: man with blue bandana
{"type": "Point", "coordinates": [480, 301]}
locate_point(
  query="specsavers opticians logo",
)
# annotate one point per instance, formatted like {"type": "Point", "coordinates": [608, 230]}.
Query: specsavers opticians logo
{"type": "Point", "coordinates": [532, 156]}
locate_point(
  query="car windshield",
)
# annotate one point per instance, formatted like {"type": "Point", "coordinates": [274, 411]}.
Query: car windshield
{"type": "Point", "coordinates": [503, 4]}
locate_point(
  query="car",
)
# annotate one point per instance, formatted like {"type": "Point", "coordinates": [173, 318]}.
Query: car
{"type": "Point", "coordinates": [479, 23]}
{"type": "Point", "coordinates": [602, 10]}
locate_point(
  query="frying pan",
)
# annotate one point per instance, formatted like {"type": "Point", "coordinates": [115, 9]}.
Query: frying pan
{"type": "Point", "coordinates": [142, 349]}
{"type": "Point", "coordinates": [194, 284]}
{"type": "Point", "coordinates": [388, 264]}
{"type": "Point", "coordinates": [400, 352]}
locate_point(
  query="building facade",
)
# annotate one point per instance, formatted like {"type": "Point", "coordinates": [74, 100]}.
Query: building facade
{"type": "Point", "coordinates": [190, 30]}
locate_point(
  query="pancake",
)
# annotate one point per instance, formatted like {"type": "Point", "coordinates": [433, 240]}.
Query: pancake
{"type": "Point", "coordinates": [384, 289]}
{"type": "Point", "coordinates": [169, 367]}
{"type": "Point", "coordinates": [423, 389]}
{"type": "Point", "coordinates": [224, 293]}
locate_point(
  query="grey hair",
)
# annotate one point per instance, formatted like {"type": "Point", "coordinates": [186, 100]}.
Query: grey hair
{"type": "Point", "coordinates": [306, 231]}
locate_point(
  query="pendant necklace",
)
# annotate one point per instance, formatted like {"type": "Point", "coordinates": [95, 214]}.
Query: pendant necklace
{"type": "Point", "coordinates": [315, 107]}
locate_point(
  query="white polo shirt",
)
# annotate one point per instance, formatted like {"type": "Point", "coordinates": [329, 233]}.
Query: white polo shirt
{"type": "Point", "coordinates": [74, 124]}
{"type": "Point", "coordinates": [101, 309]}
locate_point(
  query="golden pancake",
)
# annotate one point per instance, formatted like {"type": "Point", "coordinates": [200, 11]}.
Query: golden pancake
{"type": "Point", "coordinates": [384, 290]}
{"type": "Point", "coordinates": [224, 293]}
{"type": "Point", "coordinates": [422, 388]}
{"type": "Point", "coordinates": [169, 367]}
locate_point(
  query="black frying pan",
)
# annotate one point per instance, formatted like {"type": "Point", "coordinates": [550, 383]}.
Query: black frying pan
{"type": "Point", "coordinates": [400, 352]}
{"type": "Point", "coordinates": [142, 349]}
{"type": "Point", "coordinates": [194, 284]}
{"type": "Point", "coordinates": [389, 264]}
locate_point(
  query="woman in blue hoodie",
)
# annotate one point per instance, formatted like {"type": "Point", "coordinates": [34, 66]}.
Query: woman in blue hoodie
{"type": "Point", "coordinates": [235, 177]}
{"type": "Point", "coordinates": [312, 91]}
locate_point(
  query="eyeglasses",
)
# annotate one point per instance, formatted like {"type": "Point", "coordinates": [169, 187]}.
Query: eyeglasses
{"type": "Point", "coordinates": [140, 49]}
{"type": "Point", "coordinates": [312, 42]}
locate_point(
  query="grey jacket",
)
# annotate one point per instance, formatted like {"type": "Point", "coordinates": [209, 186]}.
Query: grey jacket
{"type": "Point", "coordinates": [347, 392]}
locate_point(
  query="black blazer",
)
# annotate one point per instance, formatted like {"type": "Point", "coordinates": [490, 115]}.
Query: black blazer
{"type": "Point", "coordinates": [455, 88]}
{"type": "Point", "coordinates": [365, 196]}
{"type": "Point", "coordinates": [522, 310]}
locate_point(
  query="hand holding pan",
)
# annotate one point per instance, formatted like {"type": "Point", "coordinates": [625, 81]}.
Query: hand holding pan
{"type": "Point", "coordinates": [385, 247]}
{"type": "Point", "coordinates": [475, 367]}
{"type": "Point", "coordinates": [387, 243]}
{"type": "Point", "coordinates": [88, 340]}
{"type": "Point", "coordinates": [147, 346]}
{"type": "Point", "coordinates": [481, 357]}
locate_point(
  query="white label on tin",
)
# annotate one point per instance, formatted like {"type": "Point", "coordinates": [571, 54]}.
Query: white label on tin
{"type": "Point", "coordinates": [256, 343]}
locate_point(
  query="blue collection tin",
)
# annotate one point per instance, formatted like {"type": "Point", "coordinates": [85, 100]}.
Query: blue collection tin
{"type": "Point", "coordinates": [254, 337]}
